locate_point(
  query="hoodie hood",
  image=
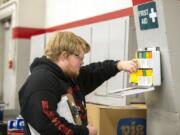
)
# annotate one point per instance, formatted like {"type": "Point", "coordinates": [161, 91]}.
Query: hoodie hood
{"type": "Point", "coordinates": [45, 63]}
{"type": "Point", "coordinates": [45, 75]}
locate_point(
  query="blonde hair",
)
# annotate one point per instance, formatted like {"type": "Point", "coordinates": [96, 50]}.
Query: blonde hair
{"type": "Point", "coordinates": [65, 41]}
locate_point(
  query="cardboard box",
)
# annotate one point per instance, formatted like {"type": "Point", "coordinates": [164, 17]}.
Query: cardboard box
{"type": "Point", "coordinates": [128, 120]}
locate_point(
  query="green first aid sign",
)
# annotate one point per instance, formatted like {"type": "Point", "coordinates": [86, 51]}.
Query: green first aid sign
{"type": "Point", "coordinates": [148, 16]}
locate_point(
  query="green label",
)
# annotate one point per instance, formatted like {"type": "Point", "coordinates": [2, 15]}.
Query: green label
{"type": "Point", "coordinates": [148, 16]}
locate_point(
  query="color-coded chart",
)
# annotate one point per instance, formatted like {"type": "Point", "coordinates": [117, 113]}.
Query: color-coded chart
{"type": "Point", "coordinates": [148, 73]}
{"type": "Point", "coordinates": [144, 55]}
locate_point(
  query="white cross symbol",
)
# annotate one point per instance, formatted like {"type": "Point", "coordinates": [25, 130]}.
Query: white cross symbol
{"type": "Point", "coordinates": [153, 15]}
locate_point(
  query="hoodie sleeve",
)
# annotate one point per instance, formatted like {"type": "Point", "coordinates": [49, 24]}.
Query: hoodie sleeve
{"type": "Point", "coordinates": [93, 75]}
{"type": "Point", "coordinates": [44, 117]}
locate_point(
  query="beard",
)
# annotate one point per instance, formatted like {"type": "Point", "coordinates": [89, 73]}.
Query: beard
{"type": "Point", "coordinates": [71, 74]}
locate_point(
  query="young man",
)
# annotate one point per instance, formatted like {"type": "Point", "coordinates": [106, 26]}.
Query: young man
{"type": "Point", "coordinates": [57, 73]}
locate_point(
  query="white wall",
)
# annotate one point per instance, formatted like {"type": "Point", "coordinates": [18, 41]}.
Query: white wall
{"type": "Point", "coordinates": [37, 46]}
{"type": "Point", "coordinates": [49, 13]}
{"type": "Point", "coordinates": [1, 61]}
{"type": "Point", "coordinates": [64, 11]}
{"type": "Point", "coordinates": [31, 13]}
{"type": "Point", "coordinates": [109, 41]}
{"type": "Point", "coordinates": [8, 76]}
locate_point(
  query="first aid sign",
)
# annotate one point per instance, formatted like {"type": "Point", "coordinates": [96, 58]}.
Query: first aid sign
{"type": "Point", "coordinates": [148, 16]}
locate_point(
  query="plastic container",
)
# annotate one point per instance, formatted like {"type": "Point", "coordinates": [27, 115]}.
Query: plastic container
{"type": "Point", "coordinates": [16, 127]}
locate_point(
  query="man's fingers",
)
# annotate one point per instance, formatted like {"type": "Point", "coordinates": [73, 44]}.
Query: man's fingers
{"type": "Point", "coordinates": [136, 62]}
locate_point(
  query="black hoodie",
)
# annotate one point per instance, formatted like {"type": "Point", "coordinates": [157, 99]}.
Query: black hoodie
{"type": "Point", "coordinates": [44, 88]}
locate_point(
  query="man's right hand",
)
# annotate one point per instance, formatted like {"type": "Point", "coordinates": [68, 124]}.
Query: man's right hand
{"type": "Point", "coordinates": [128, 66]}
{"type": "Point", "coordinates": [92, 129]}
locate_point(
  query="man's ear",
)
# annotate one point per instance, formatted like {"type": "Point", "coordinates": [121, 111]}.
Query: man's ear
{"type": "Point", "coordinates": [63, 55]}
